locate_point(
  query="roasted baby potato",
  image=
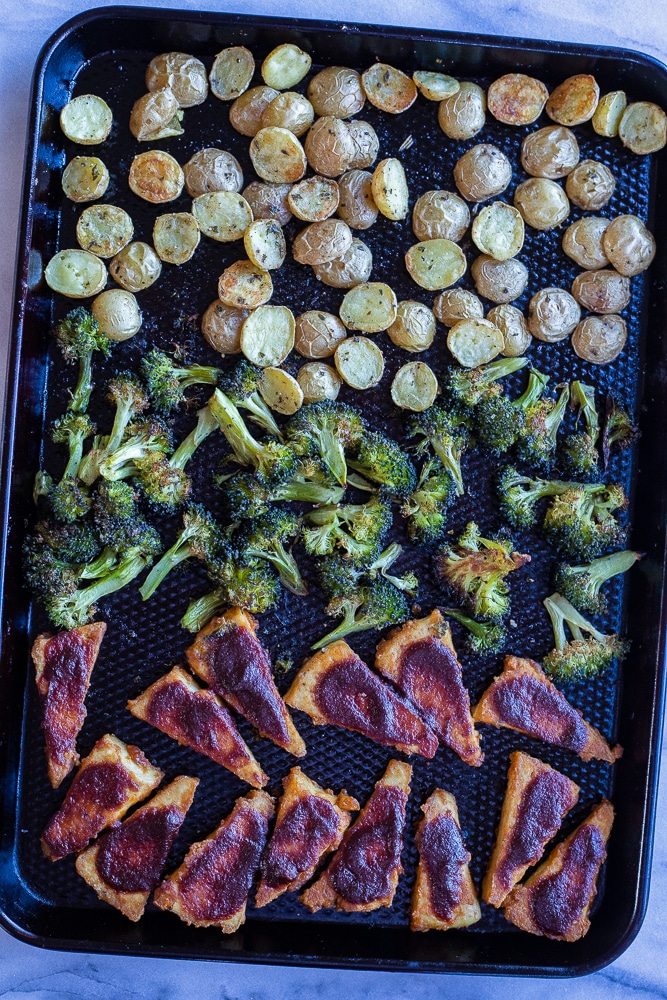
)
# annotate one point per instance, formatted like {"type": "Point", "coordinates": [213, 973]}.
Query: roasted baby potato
{"type": "Point", "coordinates": [643, 127]}
{"type": "Point", "coordinates": [86, 119]}
{"type": "Point", "coordinates": [136, 267]}
{"type": "Point", "coordinates": [314, 199]}
{"type": "Point", "coordinates": [245, 114]}
{"type": "Point", "coordinates": [155, 116]}
{"type": "Point", "coordinates": [499, 280]}
{"type": "Point", "coordinates": [243, 285]}
{"type": "Point", "coordinates": [176, 237]}
{"type": "Point", "coordinates": [182, 73]}
{"type": "Point", "coordinates": [85, 178]}
{"type": "Point", "coordinates": [435, 86]}
{"type": "Point", "coordinates": [609, 112]}
{"type": "Point", "coordinates": [582, 241]}
{"type": "Point", "coordinates": [104, 230]}
{"type": "Point", "coordinates": [222, 215]}
{"type": "Point", "coordinates": [212, 169]}
{"type": "Point", "coordinates": [370, 307]}
{"type": "Point", "coordinates": [359, 362]}
{"type": "Point", "coordinates": [498, 231]}
{"type": "Point", "coordinates": [512, 324]}
{"type": "Point", "coordinates": [474, 342]}
{"type": "Point", "coordinates": [390, 188]}
{"type": "Point", "coordinates": [482, 173]}
{"type": "Point", "coordinates": [285, 66]}
{"type": "Point", "coordinates": [440, 215]}
{"type": "Point", "coordinates": [156, 176]}
{"type": "Point", "coordinates": [551, 152]}
{"type": "Point", "coordinates": [118, 314]}
{"type": "Point", "coordinates": [435, 264]}
{"type": "Point", "coordinates": [414, 387]}
{"type": "Point", "coordinates": [604, 291]}
{"type": "Point", "coordinates": [366, 144]}
{"type": "Point", "coordinates": [269, 201]}
{"type": "Point", "coordinates": [463, 115]}
{"type": "Point", "coordinates": [278, 156]}
{"type": "Point", "coordinates": [590, 185]}
{"type": "Point", "coordinates": [600, 339]}
{"type": "Point", "coordinates": [352, 268]}
{"type": "Point", "coordinates": [629, 245]}
{"type": "Point", "coordinates": [77, 274]}
{"type": "Point", "coordinates": [336, 91]}
{"type": "Point", "coordinates": [264, 243]}
{"type": "Point", "coordinates": [517, 99]}
{"type": "Point", "coordinates": [574, 101]}
{"type": "Point", "coordinates": [542, 203]}
{"type": "Point", "coordinates": [552, 314]}
{"type": "Point", "coordinates": [356, 205]}
{"type": "Point", "coordinates": [318, 381]}
{"type": "Point", "coordinates": [267, 335]}
{"type": "Point", "coordinates": [388, 88]}
{"type": "Point", "coordinates": [318, 334]}
{"type": "Point", "coordinates": [322, 241]}
{"type": "Point", "coordinates": [414, 326]}
{"type": "Point", "coordinates": [289, 110]}
{"type": "Point", "coordinates": [221, 327]}
{"type": "Point", "coordinates": [456, 304]}
{"type": "Point", "coordinates": [329, 147]}
{"type": "Point", "coordinates": [281, 391]}
{"type": "Point", "coordinates": [231, 73]}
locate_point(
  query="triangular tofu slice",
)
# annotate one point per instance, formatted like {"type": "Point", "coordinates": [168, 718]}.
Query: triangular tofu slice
{"type": "Point", "coordinates": [335, 687]}
{"type": "Point", "coordinates": [419, 657]}
{"type": "Point", "coordinates": [211, 887]}
{"type": "Point", "coordinates": [555, 901]}
{"type": "Point", "coordinates": [363, 873]}
{"type": "Point", "coordinates": [444, 894]}
{"type": "Point", "coordinates": [524, 699]}
{"type": "Point", "coordinates": [194, 717]}
{"type": "Point", "coordinates": [310, 824]}
{"type": "Point", "coordinates": [228, 656]}
{"type": "Point", "coordinates": [111, 779]}
{"type": "Point", "coordinates": [536, 801]}
{"type": "Point", "coordinates": [125, 864]}
{"type": "Point", "coordinates": [63, 665]}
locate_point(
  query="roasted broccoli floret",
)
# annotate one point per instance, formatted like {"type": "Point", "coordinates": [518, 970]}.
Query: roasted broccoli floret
{"type": "Point", "coordinates": [358, 529]}
{"type": "Point", "coordinates": [118, 522]}
{"type": "Point", "coordinates": [339, 575]}
{"type": "Point", "coordinates": [500, 422]}
{"type": "Point", "coordinates": [519, 495]}
{"type": "Point", "coordinates": [475, 568]}
{"type": "Point", "coordinates": [484, 638]}
{"type": "Point", "coordinates": [79, 336]}
{"type": "Point", "coordinates": [446, 435]}
{"type": "Point", "coordinates": [246, 497]}
{"type": "Point", "coordinates": [129, 397]}
{"type": "Point", "coordinates": [466, 387]}
{"type": "Point", "coordinates": [327, 429]}
{"type": "Point", "coordinates": [382, 460]}
{"type": "Point", "coordinates": [579, 453]}
{"type": "Point", "coordinates": [44, 572]}
{"type": "Point", "coordinates": [243, 582]}
{"type": "Point", "coordinates": [266, 537]}
{"type": "Point", "coordinates": [587, 653]}
{"type": "Point", "coordinates": [242, 387]}
{"type": "Point", "coordinates": [580, 522]}
{"type": "Point", "coordinates": [372, 607]}
{"type": "Point", "coordinates": [200, 538]}
{"type": "Point", "coordinates": [619, 429]}
{"type": "Point", "coordinates": [381, 566]}
{"type": "Point", "coordinates": [74, 543]}
{"type": "Point", "coordinates": [581, 584]}
{"type": "Point", "coordinates": [273, 461]}
{"type": "Point", "coordinates": [426, 507]}
{"type": "Point", "coordinates": [167, 381]}
{"type": "Point", "coordinates": [538, 439]}
{"type": "Point", "coordinates": [69, 498]}
{"type": "Point", "coordinates": [143, 437]}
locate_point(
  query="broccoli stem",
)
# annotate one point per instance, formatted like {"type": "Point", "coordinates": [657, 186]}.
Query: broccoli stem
{"type": "Point", "coordinates": [478, 629]}
{"type": "Point", "coordinates": [260, 413]}
{"type": "Point", "coordinates": [76, 609]}
{"type": "Point", "coordinates": [603, 569]}
{"type": "Point", "coordinates": [201, 610]}
{"type": "Point", "coordinates": [348, 625]}
{"type": "Point", "coordinates": [285, 563]}
{"type": "Point", "coordinates": [231, 423]}
{"type": "Point", "coordinates": [561, 611]}
{"type": "Point", "coordinates": [582, 396]}
{"type": "Point", "coordinates": [206, 424]}
{"type": "Point", "coordinates": [84, 386]}
{"type": "Point", "coordinates": [307, 492]}
{"type": "Point", "coordinates": [385, 561]}
{"type": "Point", "coordinates": [101, 566]}
{"type": "Point", "coordinates": [178, 553]}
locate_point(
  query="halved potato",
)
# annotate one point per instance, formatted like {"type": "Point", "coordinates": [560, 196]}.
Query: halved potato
{"type": "Point", "coordinates": [136, 267]}
{"type": "Point", "coordinates": [318, 334]}
{"type": "Point", "coordinates": [359, 362]}
{"type": "Point", "coordinates": [388, 88]}
{"type": "Point", "coordinates": [265, 244]}
{"type": "Point", "coordinates": [212, 169]}
{"type": "Point", "coordinates": [155, 116]}
{"type": "Point", "coordinates": [590, 185]}
{"type": "Point", "coordinates": [267, 335]}
{"type": "Point", "coordinates": [498, 231]}
{"type": "Point", "coordinates": [77, 274]}
{"type": "Point", "coordinates": [609, 112]}
{"type": "Point", "coordinates": [440, 215]}
{"type": "Point", "coordinates": [244, 285]}
{"type": "Point", "coordinates": [314, 199]}
{"type": "Point", "coordinates": [336, 91]}
{"type": "Point", "coordinates": [329, 147]}
{"type": "Point", "coordinates": [350, 269]}
{"type": "Point", "coordinates": [435, 86]}
{"type": "Point", "coordinates": [474, 342]}
{"type": "Point", "coordinates": [289, 110]}
{"type": "Point", "coordinates": [643, 127]}
{"type": "Point", "coordinates": [435, 264]}
{"type": "Point", "coordinates": [574, 101]}
{"type": "Point", "coordinates": [285, 66]}
{"type": "Point", "coordinates": [281, 391]}
{"type": "Point", "coordinates": [517, 99]}
{"type": "Point", "coordinates": [414, 326]}
{"type": "Point", "coordinates": [86, 119]}
{"type": "Point", "coordinates": [322, 241]}
{"type": "Point", "coordinates": [356, 205]}
{"type": "Point", "coordinates": [629, 245]}
{"type": "Point", "coordinates": [414, 387]}
{"type": "Point", "coordinates": [182, 73]}
{"type": "Point", "coordinates": [463, 115]}
{"type": "Point", "coordinates": [452, 306]}
{"type": "Point", "coordinates": [604, 291]}
{"type": "Point", "coordinates": [222, 215]}
{"type": "Point", "coordinates": [542, 203]}
{"type": "Point", "coordinates": [245, 114]}
{"type": "Point", "coordinates": [85, 178]}
{"type": "Point", "coordinates": [366, 144]}
{"type": "Point", "coordinates": [582, 241]}
{"type": "Point", "coordinates": [221, 326]}
{"type": "Point", "coordinates": [104, 230]}
{"type": "Point", "coordinates": [511, 322]}
{"type": "Point", "coordinates": [269, 201]}
{"type": "Point", "coordinates": [552, 314]}
{"type": "Point", "coordinates": [318, 381]}
{"type": "Point", "coordinates": [499, 280]}
{"type": "Point", "coordinates": [231, 73]}
{"type": "Point", "coordinates": [156, 176]}
{"type": "Point", "coordinates": [482, 172]}
{"type": "Point", "coordinates": [118, 314]}
{"type": "Point", "coordinates": [389, 187]}
{"type": "Point", "coordinates": [176, 237]}
{"type": "Point", "coordinates": [600, 339]}
{"type": "Point", "coordinates": [370, 307]}
{"type": "Point", "coordinates": [278, 156]}
{"type": "Point", "coordinates": [552, 151]}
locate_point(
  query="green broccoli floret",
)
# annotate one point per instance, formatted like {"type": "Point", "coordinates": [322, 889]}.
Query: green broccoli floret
{"type": "Point", "coordinates": [380, 566]}
{"type": "Point", "coordinates": [326, 429]}
{"type": "Point", "coordinates": [446, 435]}
{"type": "Point", "coordinates": [129, 397]}
{"type": "Point", "coordinates": [484, 638]}
{"type": "Point", "coordinates": [580, 522]}
{"type": "Point", "coordinates": [371, 607]}
{"type": "Point", "coordinates": [619, 429]}
{"type": "Point", "coordinates": [500, 422]}
{"type": "Point", "coordinates": [45, 573]}
{"type": "Point", "coordinates": [69, 498]}
{"type": "Point", "coordinates": [143, 437]}
{"type": "Point", "coordinates": [273, 461]}
{"type": "Point", "coordinates": [338, 575]}
{"type": "Point", "coordinates": [466, 387]}
{"type": "Point", "coordinates": [581, 584]}
{"type": "Point", "coordinates": [42, 485]}
{"type": "Point", "coordinates": [242, 387]}
{"type": "Point", "coordinates": [382, 460]}
{"type": "Point", "coordinates": [79, 336]}
{"type": "Point", "coordinates": [243, 582]}
{"type": "Point", "coordinates": [167, 381]}
{"type": "Point", "coordinates": [537, 441]}
{"type": "Point", "coordinates": [73, 543]}
{"type": "Point", "coordinates": [519, 495]}
{"type": "Point", "coordinates": [246, 497]}
{"type": "Point", "coordinates": [426, 507]}
{"type": "Point", "coordinates": [587, 653]}
{"type": "Point", "coordinates": [579, 452]}
{"type": "Point", "coordinates": [200, 538]}
{"type": "Point", "coordinates": [118, 522]}
{"type": "Point", "coordinates": [359, 529]}
{"type": "Point", "coordinates": [266, 537]}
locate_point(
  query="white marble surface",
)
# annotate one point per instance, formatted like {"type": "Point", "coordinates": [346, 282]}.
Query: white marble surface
{"type": "Point", "coordinates": [26, 972]}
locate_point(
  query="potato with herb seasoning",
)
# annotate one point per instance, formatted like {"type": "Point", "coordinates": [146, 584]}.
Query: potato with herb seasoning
{"type": "Point", "coordinates": [269, 201]}
{"type": "Point", "coordinates": [277, 156]}
{"type": "Point", "coordinates": [435, 86]}
{"type": "Point", "coordinates": [212, 169]}
{"type": "Point", "coordinates": [414, 387]}
{"type": "Point", "coordinates": [590, 185]}
{"type": "Point", "coordinates": [498, 231]}
{"type": "Point", "coordinates": [104, 230]}
{"type": "Point", "coordinates": [388, 88]}
{"type": "Point", "coordinates": [582, 241]}
{"type": "Point", "coordinates": [369, 307]}
{"type": "Point", "coordinates": [542, 203]}
{"type": "Point", "coordinates": [118, 314]}
{"type": "Point", "coordinates": [244, 285]}
{"type": "Point", "coordinates": [474, 342]}
{"type": "Point", "coordinates": [440, 215]}
{"type": "Point", "coordinates": [285, 66]}
{"type": "Point", "coordinates": [281, 391]}
{"type": "Point", "coordinates": [245, 114]}
{"type": "Point", "coordinates": [365, 143]}
{"type": "Point", "coordinates": [552, 315]}
{"type": "Point", "coordinates": [643, 128]}
{"type": "Point", "coordinates": [289, 110]}
{"type": "Point", "coordinates": [329, 147]}
{"type": "Point", "coordinates": [574, 101]}
{"type": "Point", "coordinates": [85, 178]}
{"type": "Point", "coordinates": [629, 245]}
{"type": "Point", "coordinates": [318, 381]}
{"type": "Point", "coordinates": [350, 269]}
{"type": "Point", "coordinates": [359, 362]}
{"type": "Point", "coordinates": [356, 205]}
{"type": "Point", "coordinates": [136, 267]}
{"type": "Point", "coordinates": [414, 326]}
{"type": "Point", "coordinates": [552, 152]}
{"type": "Point", "coordinates": [456, 304]}
{"type": "Point", "coordinates": [389, 187]}
{"type": "Point", "coordinates": [482, 172]}
{"type": "Point", "coordinates": [604, 291]}
{"type": "Point", "coordinates": [336, 91]}
{"type": "Point", "coordinates": [600, 339]}
{"type": "Point", "coordinates": [267, 335]}
{"type": "Point", "coordinates": [511, 322]}
{"type": "Point", "coordinates": [223, 216]}
{"type": "Point", "coordinates": [517, 99]}
{"type": "Point", "coordinates": [435, 264]}
{"type": "Point", "coordinates": [77, 274]}
{"type": "Point", "coordinates": [221, 327]}
{"type": "Point", "coordinates": [499, 281]}
{"type": "Point", "coordinates": [182, 73]}
{"type": "Point", "coordinates": [318, 334]}
{"type": "Point", "coordinates": [314, 199]}
{"type": "Point", "coordinates": [609, 112]}
{"type": "Point", "coordinates": [231, 73]}
{"type": "Point", "coordinates": [156, 176]}
{"type": "Point", "coordinates": [265, 244]}
{"type": "Point", "coordinates": [322, 241]}
{"type": "Point", "coordinates": [86, 119]}
{"type": "Point", "coordinates": [176, 237]}
{"type": "Point", "coordinates": [463, 115]}
{"type": "Point", "coordinates": [155, 116]}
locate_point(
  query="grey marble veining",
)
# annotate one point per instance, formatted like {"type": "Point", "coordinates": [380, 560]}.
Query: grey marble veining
{"type": "Point", "coordinates": [26, 972]}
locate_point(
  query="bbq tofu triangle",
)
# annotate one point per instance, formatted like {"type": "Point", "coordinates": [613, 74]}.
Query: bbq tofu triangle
{"type": "Point", "coordinates": [536, 801]}
{"type": "Point", "coordinates": [335, 687]}
{"type": "Point", "coordinates": [211, 887]}
{"type": "Point", "coordinates": [111, 779]}
{"type": "Point", "coordinates": [196, 718]}
{"type": "Point", "coordinates": [444, 894]}
{"type": "Point", "coordinates": [419, 657]}
{"type": "Point", "coordinates": [555, 901]}
{"type": "Point", "coordinates": [363, 874]}
{"type": "Point", "coordinates": [523, 698]}
{"type": "Point", "coordinates": [125, 864]}
{"type": "Point", "coordinates": [228, 656]}
{"type": "Point", "coordinates": [310, 824]}
{"type": "Point", "coordinates": [63, 665]}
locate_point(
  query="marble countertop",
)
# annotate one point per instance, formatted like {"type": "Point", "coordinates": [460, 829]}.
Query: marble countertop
{"type": "Point", "coordinates": [29, 972]}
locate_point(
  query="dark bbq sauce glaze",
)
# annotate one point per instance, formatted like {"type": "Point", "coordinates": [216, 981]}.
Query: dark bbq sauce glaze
{"type": "Point", "coordinates": [546, 798]}
{"type": "Point", "coordinates": [217, 883]}
{"type": "Point", "coordinates": [371, 851]}
{"type": "Point", "coordinates": [305, 832]}
{"type": "Point", "coordinates": [131, 857]}
{"type": "Point", "coordinates": [198, 721]}
{"type": "Point", "coordinates": [97, 792]}
{"type": "Point", "coordinates": [68, 661]}
{"type": "Point", "coordinates": [349, 694]}
{"type": "Point", "coordinates": [444, 856]}
{"type": "Point", "coordinates": [540, 711]}
{"type": "Point", "coordinates": [240, 668]}
{"type": "Point", "coordinates": [431, 677]}
{"type": "Point", "coordinates": [558, 900]}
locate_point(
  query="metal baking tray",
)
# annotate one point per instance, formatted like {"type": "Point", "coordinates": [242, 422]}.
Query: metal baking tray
{"type": "Point", "coordinates": [106, 51]}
